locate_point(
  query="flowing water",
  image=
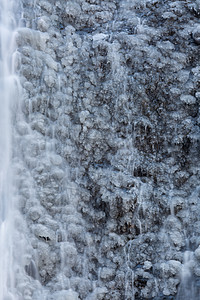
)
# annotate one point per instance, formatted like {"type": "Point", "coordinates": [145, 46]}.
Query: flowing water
{"type": "Point", "coordinates": [7, 98]}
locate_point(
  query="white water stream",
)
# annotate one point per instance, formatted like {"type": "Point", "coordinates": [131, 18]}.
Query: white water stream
{"type": "Point", "coordinates": [8, 96]}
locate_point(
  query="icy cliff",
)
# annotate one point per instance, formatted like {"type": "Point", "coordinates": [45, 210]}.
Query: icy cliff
{"type": "Point", "coordinates": [109, 145]}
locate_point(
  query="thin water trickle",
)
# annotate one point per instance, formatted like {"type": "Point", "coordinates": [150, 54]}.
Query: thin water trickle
{"type": "Point", "coordinates": [188, 288]}
{"type": "Point", "coordinates": [130, 275]}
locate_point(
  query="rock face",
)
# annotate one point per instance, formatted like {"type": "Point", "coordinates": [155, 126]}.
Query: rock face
{"type": "Point", "coordinates": [109, 141]}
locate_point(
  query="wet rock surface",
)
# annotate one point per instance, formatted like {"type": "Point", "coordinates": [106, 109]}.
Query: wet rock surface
{"type": "Point", "coordinates": [109, 140]}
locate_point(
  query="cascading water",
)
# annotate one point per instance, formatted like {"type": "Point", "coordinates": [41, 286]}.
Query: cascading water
{"type": "Point", "coordinates": [8, 95]}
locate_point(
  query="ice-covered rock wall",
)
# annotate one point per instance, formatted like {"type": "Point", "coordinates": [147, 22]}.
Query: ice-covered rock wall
{"type": "Point", "coordinates": [109, 143]}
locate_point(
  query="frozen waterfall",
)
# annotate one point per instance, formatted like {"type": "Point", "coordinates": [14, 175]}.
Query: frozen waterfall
{"type": "Point", "coordinates": [99, 150]}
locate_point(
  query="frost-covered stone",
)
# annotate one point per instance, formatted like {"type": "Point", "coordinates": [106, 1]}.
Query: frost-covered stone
{"type": "Point", "coordinates": [35, 213]}
{"type": "Point", "coordinates": [39, 124]}
{"type": "Point", "coordinates": [196, 35]}
{"type": "Point", "coordinates": [107, 142]}
{"type": "Point", "coordinates": [58, 173]}
{"type": "Point", "coordinates": [188, 99]}
{"type": "Point", "coordinates": [147, 265]}
{"type": "Point", "coordinates": [51, 63]}
{"type": "Point", "coordinates": [56, 160]}
{"type": "Point", "coordinates": [70, 254]}
{"type": "Point", "coordinates": [73, 8]}
{"type": "Point", "coordinates": [43, 23]}
{"type": "Point", "coordinates": [99, 293]}
{"type": "Point", "coordinates": [197, 253]}
{"type": "Point", "coordinates": [50, 78]}
{"type": "Point", "coordinates": [171, 267]}
{"type": "Point", "coordinates": [44, 233]}
{"type": "Point", "coordinates": [107, 274]}
{"type": "Point", "coordinates": [66, 295]}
